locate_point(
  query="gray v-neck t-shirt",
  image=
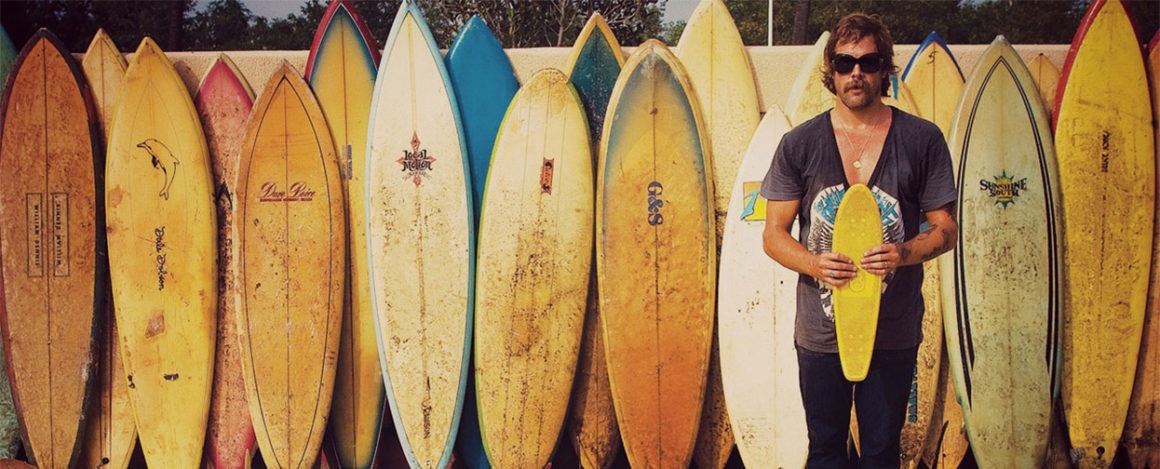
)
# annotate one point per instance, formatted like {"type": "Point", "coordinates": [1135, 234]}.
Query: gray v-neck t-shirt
{"type": "Point", "coordinates": [913, 175]}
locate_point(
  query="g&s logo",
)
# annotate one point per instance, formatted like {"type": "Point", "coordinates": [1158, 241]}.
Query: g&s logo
{"type": "Point", "coordinates": [655, 189]}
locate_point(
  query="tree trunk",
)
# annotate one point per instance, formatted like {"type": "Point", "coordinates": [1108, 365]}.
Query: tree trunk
{"type": "Point", "coordinates": [801, 16]}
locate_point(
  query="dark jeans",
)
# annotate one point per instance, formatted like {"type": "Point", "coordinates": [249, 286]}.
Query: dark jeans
{"type": "Point", "coordinates": [880, 402]}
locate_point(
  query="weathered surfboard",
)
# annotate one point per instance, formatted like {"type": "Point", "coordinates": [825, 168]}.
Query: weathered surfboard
{"type": "Point", "coordinates": [535, 248]}
{"type": "Point", "coordinates": [1106, 151]}
{"type": "Point", "coordinates": [341, 70]}
{"type": "Point", "coordinates": [110, 433]}
{"type": "Point", "coordinates": [223, 101]}
{"type": "Point", "coordinates": [9, 426]}
{"type": "Point", "coordinates": [291, 238]}
{"type": "Point", "coordinates": [420, 240]}
{"type": "Point", "coordinates": [656, 263]}
{"type": "Point", "coordinates": [1141, 440]}
{"type": "Point", "coordinates": [51, 233]}
{"type": "Point", "coordinates": [1001, 297]}
{"type": "Point", "coordinates": [484, 84]}
{"type": "Point", "coordinates": [757, 301]}
{"type": "Point", "coordinates": [592, 66]}
{"type": "Point", "coordinates": [935, 81]}
{"type": "Point", "coordinates": [162, 236]}
{"type": "Point", "coordinates": [718, 68]}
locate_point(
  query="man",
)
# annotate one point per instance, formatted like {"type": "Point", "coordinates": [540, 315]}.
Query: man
{"type": "Point", "coordinates": [905, 162]}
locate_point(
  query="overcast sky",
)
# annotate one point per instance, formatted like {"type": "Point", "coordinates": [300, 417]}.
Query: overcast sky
{"type": "Point", "coordinates": [677, 10]}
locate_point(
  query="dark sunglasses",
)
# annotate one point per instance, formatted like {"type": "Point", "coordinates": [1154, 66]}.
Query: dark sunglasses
{"type": "Point", "coordinates": [870, 63]}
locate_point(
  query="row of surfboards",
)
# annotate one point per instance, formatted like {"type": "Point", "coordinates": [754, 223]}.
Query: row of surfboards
{"type": "Point", "coordinates": [381, 152]}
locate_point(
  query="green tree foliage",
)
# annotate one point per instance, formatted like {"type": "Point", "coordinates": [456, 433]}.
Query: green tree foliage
{"type": "Point", "coordinates": [76, 21]}
{"type": "Point", "coordinates": [546, 23]}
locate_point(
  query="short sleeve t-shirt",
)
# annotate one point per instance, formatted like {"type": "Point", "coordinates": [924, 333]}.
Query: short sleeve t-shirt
{"type": "Point", "coordinates": [913, 175]}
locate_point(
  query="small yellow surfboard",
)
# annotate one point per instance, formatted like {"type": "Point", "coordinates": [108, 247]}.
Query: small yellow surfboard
{"type": "Point", "coordinates": [162, 233]}
{"type": "Point", "coordinates": [110, 433]}
{"type": "Point", "coordinates": [857, 228]}
{"type": "Point", "coordinates": [291, 233]}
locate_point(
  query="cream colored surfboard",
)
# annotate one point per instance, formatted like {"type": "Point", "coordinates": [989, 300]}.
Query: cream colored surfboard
{"type": "Point", "coordinates": [291, 254]}
{"type": "Point", "coordinates": [420, 239]}
{"type": "Point", "coordinates": [224, 100]}
{"type": "Point", "coordinates": [163, 257]}
{"type": "Point", "coordinates": [1001, 295]}
{"type": "Point", "coordinates": [935, 82]}
{"type": "Point", "coordinates": [1141, 440]}
{"type": "Point", "coordinates": [1046, 78]}
{"type": "Point", "coordinates": [593, 66]}
{"type": "Point", "coordinates": [535, 243]}
{"type": "Point", "coordinates": [50, 241]}
{"type": "Point", "coordinates": [718, 68]}
{"type": "Point", "coordinates": [656, 263]}
{"type": "Point", "coordinates": [857, 228]}
{"type": "Point", "coordinates": [757, 304]}
{"type": "Point", "coordinates": [1106, 150]}
{"type": "Point", "coordinates": [110, 432]}
{"type": "Point", "coordinates": [809, 97]}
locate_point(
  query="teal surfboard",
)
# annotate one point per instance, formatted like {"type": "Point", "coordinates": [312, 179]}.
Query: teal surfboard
{"type": "Point", "coordinates": [484, 83]}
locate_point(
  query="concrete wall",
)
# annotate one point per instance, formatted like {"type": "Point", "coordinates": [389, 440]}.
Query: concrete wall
{"type": "Point", "coordinates": [775, 68]}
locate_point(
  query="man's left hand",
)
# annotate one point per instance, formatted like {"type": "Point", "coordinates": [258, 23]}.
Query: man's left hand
{"type": "Point", "coordinates": [882, 259]}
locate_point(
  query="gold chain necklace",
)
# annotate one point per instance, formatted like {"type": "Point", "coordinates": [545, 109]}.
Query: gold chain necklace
{"type": "Point", "coordinates": [862, 149]}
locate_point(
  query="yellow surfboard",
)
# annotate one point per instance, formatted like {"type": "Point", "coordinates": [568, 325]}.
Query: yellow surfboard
{"type": "Point", "coordinates": [857, 228]}
{"type": "Point", "coordinates": [53, 275]}
{"type": "Point", "coordinates": [935, 82]}
{"type": "Point", "coordinates": [656, 258]}
{"type": "Point", "coordinates": [163, 257]}
{"type": "Point", "coordinates": [341, 71]}
{"type": "Point", "coordinates": [718, 68]}
{"type": "Point", "coordinates": [1046, 78]}
{"type": "Point", "coordinates": [1141, 440]}
{"type": "Point", "coordinates": [110, 432]}
{"type": "Point", "coordinates": [535, 246]}
{"type": "Point", "coordinates": [1104, 143]}
{"type": "Point", "coordinates": [593, 66]}
{"type": "Point", "coordinates": [224, 100]}
{"type": "Point", "coordinates": [291, 232]}
{"type": "Point", "coordinates": [809, 97]}
{"type": "Point", "coordinates": [420, 240]}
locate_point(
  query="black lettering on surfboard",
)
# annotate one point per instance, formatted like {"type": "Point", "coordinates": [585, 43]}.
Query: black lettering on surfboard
{"type": "Point", "coordinates": [655, 189]}
{"type": "Point", "coordinates": [159, 247]}
{"type": "Point", "coordinates": [1104, 137]}
{"type": "Point", "coordinates": [1004, 188]}
{"type": "Point", "coordinates": [60, 251]}
{"type": "Point", "coordinates": [416, 162]}
{"type": "Point", "coordinates": [34, 211]}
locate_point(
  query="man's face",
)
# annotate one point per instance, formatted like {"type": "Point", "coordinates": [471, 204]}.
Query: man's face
{"type": "Point", "coordinates": [862, 84]}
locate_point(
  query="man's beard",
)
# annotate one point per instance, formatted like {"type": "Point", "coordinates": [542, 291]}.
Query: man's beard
{"type": "Point", "coordinates": [858, 102]}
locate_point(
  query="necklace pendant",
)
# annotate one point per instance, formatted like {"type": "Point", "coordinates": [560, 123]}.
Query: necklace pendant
{"type": "Point", "coordinates": [857, 164]}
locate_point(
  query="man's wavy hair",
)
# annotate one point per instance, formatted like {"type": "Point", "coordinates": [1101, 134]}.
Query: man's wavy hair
{"type": "Point", "coordinates": [852, 28]}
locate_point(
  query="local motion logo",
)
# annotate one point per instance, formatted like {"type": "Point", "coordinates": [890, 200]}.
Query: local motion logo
{"type": "Point", "coordinates": [416, 162]}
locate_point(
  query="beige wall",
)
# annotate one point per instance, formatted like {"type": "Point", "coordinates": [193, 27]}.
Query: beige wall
{"type": "Point", "coordinates": [775, 68]}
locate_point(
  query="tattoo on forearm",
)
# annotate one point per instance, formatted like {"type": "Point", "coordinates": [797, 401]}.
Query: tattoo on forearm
{"type": "Point", "coordinates": [946, 244]}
